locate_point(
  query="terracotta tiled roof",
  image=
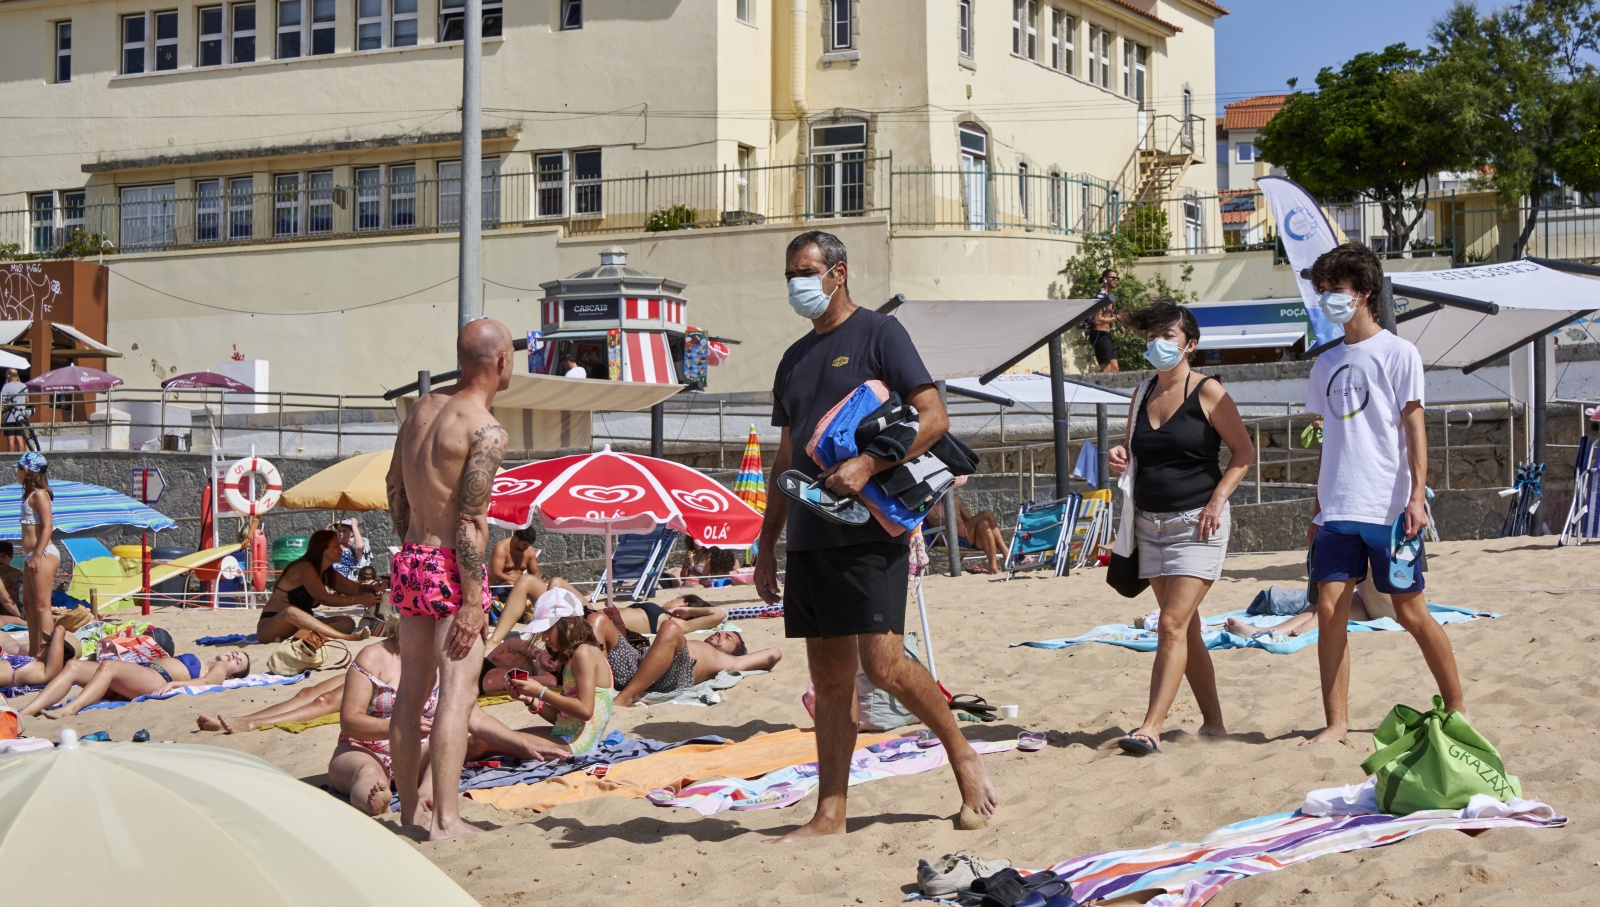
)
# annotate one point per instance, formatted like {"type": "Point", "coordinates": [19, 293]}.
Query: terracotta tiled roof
{"type": "Point", "coordinates": [1252, 113]}
{"type": "Point", "coordinates": [1237, 205]}
{"type": "Point", "coordinates": [1148, 15]}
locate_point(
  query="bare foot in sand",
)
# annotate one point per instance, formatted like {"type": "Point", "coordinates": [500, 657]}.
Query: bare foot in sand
{"type": "Point", "coordinates": [808, 701]}
{"type": "Point", "coordinates": [207, 723]}
{"type": "Point", "coordinates": [819, 827]}
{"type": "Point", "coordinates": [1213, 730]}
{"type": "Point", "coordinates": [378, 800]}
{"type": "Point", "coordinates": [453, 828]}
{"type": "Point", "coordinates": [978, 796]}
{"type": "Point", "coordinates": [1330, 734]}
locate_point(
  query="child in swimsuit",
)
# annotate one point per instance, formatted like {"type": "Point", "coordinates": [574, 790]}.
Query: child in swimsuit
{"type": "Point", "coordinates": [579, 713]}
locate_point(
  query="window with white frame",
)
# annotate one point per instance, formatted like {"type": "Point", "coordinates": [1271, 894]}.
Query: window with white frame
{"type": "Point", "coordinates": [1100, 57]}
{"type": "Point", "coordinates": [1245, 153]}
{"type": "Point", "coordinates": [1194, 233]}
{"type": "Point", "coordinates": [1022, 190]}
{"type": "Point", "coordinates": [1188, 115]}
{"type": "Point", "coordinates": [1135, 70]}
{"type": "Point", "coordinates": [385, 23]}
{"type": "Point", "coordinates": [1057, 203]}
{"type": "Point", "coordinates": [840, 34]}
{"type": "Point", "coordinates": [63, 52]}
{"type": "Point", "coordinates": [745, 11]}
{"type": "Point", "coordinates": [305, 28]}
{"type": "Point", "coordinates": [402, 196]}
{"type": "Point", "coordinates": [1032, 23]}
{"type": "Point", "coordinates": [227, 34]}
{"type": "Point", "coordinates": [241, 207]}
{"type": "Point", "coordinates": [571, 14]}
{"type": "Point", "coordinates": [964, 27]}
{"type": "Point", "coordinates": [286, 204]}
{"type": "Point", "coordinates": [745, 161]}
{"type": "Point", "coordinates": [975, 174]}
{"type": "Point", "coordinates": [586, 183]}
{"type": "Point", "coordinates": [453, 19]}
{"type": "Point", "coordinates": [1063, 44]}
{"type": "Point", "coordinates": [450, 193]}
{"type": "Point", "coordinates": [208, 209]}
{"type": "Point", "coordinates": [550, 184]}
{"type": "Point", "coordinates": [560, 174]}
{"type": "Point", "coordinates": [146, 222]}
{"type": "Point", "coordinates": [302, 203]}
{"type": "Point", "coordinates": [1017, 9]}
{"type": "Point", "coordinates": [839, 170]}
{"type": "Point", "coordinates": [53, 217]}
{"type": "Point", "coordinates": [150, 42]}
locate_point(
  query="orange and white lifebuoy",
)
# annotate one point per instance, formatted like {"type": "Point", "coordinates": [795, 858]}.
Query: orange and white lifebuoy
{"type": "Point", "coordinates": [258, 561]}
{"type": "Point", "coordinates": [233, 486]}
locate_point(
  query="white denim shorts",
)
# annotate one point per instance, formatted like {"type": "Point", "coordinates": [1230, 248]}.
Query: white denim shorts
{"type": "Point", "coordinates": [1169, 544]}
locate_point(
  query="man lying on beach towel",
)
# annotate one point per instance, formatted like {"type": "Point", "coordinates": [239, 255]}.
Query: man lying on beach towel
{"type": "Point", "coordinates": [673, 661]}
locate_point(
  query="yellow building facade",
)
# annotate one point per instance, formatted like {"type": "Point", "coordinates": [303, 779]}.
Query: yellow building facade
{"type": "Point", "coordinates": [282, 176]}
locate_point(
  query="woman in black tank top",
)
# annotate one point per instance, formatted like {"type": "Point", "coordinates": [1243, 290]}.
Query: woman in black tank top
{"type": "Point", "coordinates": [1176, 428]}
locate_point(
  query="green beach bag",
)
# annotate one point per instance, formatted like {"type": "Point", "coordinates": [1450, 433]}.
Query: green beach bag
{"type": "Point", "coordinates": [1434, 760]}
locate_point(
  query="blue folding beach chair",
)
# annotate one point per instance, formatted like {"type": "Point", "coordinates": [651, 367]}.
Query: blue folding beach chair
{"type": "Point", "coordinates": [636, 565]}
{"type": "Point", "coordinates": [1043, 536]}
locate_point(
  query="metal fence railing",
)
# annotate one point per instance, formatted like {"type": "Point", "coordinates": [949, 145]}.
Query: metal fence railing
{"type": "Point", "coordinates": [1464, 226]}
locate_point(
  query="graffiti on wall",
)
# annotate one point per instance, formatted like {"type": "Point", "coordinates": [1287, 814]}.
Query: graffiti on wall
{"type": "Point", "coordinates": [26, 291]}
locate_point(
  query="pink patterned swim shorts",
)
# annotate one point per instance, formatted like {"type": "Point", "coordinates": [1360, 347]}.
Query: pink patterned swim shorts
{"type": "Point", "coordinates": [427, 582]}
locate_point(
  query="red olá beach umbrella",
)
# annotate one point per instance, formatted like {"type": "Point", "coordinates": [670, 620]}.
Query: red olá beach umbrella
{"type": "Point", "coordinates": [74, 379]}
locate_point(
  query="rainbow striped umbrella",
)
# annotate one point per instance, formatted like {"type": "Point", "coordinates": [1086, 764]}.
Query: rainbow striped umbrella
{"type": "Point", "coordinates": [751, 485]}
{"type": "Point", "coordinates": [81, 507]}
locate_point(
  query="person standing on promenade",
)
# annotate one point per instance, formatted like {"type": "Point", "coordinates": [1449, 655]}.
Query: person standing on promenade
{"type": "Point", "coordinates": [445, 458]}
{"type": "Point", "coordinates": [846, 585]}
{"type": "Point", "coordinates": [1374, 473]}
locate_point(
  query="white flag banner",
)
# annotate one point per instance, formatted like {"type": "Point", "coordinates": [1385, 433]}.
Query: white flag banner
{"type": "Point", "coordinates": [1306, 235]}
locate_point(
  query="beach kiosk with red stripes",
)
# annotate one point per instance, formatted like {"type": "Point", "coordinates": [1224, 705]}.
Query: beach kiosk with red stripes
{"type": "Point", "coordinates": [616, 321]}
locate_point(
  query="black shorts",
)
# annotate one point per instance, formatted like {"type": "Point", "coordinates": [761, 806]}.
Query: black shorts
{"type": "Point", "coordinates": [1105, 351]}
{"type": "Point", "coordinates": [846, 591]}
{"type": "Point", "coordinates": [14, 429]}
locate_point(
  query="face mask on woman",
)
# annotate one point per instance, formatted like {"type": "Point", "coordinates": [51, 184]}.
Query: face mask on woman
{"type": "Point", "coordinates": [1163, 354]}
{"type": "Point", "coordinates": [806, 296]}
{"type": "Point", "coordinates": [1339, 307]}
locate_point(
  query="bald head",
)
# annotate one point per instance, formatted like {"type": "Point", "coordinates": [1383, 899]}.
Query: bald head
{"type": "Point", "coordinates": [484, 347]}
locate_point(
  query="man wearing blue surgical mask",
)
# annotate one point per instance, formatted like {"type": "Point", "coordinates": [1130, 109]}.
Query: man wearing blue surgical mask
{"type": "Point", "coordinates": [845, 585]}
{"type": "Point", "coordinates": [1371, 486]}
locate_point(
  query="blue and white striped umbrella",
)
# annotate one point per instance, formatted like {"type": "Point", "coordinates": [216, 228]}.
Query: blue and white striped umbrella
{"type": "Point", "coordinates": [80, 507]}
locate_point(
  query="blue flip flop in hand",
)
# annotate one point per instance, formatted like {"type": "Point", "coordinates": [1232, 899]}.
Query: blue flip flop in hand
{"type": "Point", "coordinates": [1403, 555]}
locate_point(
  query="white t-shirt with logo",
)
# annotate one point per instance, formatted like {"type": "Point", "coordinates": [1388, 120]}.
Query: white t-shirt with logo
{"type": "Point", "coordinates": [1360, 390]}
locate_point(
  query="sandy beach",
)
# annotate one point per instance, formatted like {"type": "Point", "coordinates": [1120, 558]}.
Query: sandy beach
{"type": "Point", "coordinates": [1530, 685]}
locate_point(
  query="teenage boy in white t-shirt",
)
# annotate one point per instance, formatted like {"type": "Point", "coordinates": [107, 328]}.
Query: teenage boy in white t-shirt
{"type": "Point", "coordinates": [1374, 470]}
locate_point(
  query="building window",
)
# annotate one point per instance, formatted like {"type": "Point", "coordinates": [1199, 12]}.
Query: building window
{"type": "Point", "coordinates": [1188, 115]}
{"type": "Point", "coordinates": [839, 170]}
{"type": "Point", "coordinates": [1022, 190]}
{"type": "Point", "coordinates": [1062, 46]}
{"type": "Point", "coordinates": [43, 222]}
{"type": "Point", "coordinates": [551, 184]}
{"type": "Point", "coordinates": [402, 196]}
{"type": "Point", "coordinates": [450, 194]}
{"type": "Point", "coordinates": [1032, 24]}
{"type": "Point", "coordinates": [369, 198]}
{"type": "Point", "coordinates": [209, 52]}
{"type": "Point", "coordinates": [150, 42]}
{"type": "Point", "coordinates": [286, 204]}
{"type": "Point", "coordinates": [1245, 152]}
{"type": "Point", "coordinates": [840, 34]}
{"type": "Point", "coordinates": [319, 202]}
{"type": "Point", "coordinates": [1057, 202]}
{"type": "Point", "coordinates": [453, 21]}
{"type": "Point", "coordinates": [586, 185]}
{"type": "Point", "coordinates": [244, 32]}
{"type": "Point", "coordinates": [302, 203]}
{"type": "Point", "coordinates": [147, 218]}
{"type": "Point", "coordinates": [975, 174]}
{"type": "Point", "coordinates": [241, 207]}
{"type": "Point", "coordinates": [1135, 70]}
{"type": "Point", "coordinates": [208, 205]}
{"type": "Point", "coordinates": [220, 44]}
{"type": "Point", "coordinates": [385, 23]}
{"type": "Point", "coordinates": [571, 14]}
{"type": "Point", "coordinates": [1100, 57]}
{"type": "Point", "coordinates": [1016, 26]}
{"type": "Point", "coordinates": [1193, 227]}
{"type": "Point", "coordinates": [744, 161]}
{"type": "Point", "coordinates": [305, 28]}
{"type": "Point", "coordinates": [745, 11]}
{"type": "Point", "coordinates": [63, 52]}
{"type": "Point", "coordinates": [964, 27]}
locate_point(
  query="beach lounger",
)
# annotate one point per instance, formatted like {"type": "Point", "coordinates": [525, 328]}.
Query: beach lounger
{"type": "Point", "coordinates": [1093, 531]}
{"type": "Point", "coordinates": [934, 536]}
{"type": "Point", "coordinates": [1043, 536]}
{"type": "Point", "coordinates": [637, 563]}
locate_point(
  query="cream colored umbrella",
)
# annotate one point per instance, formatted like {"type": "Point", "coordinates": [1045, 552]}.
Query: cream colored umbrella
{"type": "Point", "coordinates": [353, 484]}
{"type": "Point", "coordinates": [164, 824]}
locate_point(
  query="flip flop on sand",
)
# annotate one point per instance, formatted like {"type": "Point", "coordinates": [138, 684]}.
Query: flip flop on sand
{"type": "Point", "coordinates": [1031, 741]}
{"type": "Point", "coordinates": [1139, 745]}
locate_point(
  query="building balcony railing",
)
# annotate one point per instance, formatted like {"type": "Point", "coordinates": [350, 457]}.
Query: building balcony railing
{"type": "Point", "coordinates": [1466, 227]}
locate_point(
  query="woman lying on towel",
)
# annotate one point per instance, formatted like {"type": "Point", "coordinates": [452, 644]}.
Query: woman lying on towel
{"type": "Point", "coordinates": [580, 710]}
{"type": "Point", "coordinates": [361, 765]}
{"type": "Point", "coordinates": [18, 670]}
{"type": "Point", "coordinates": [305, 705]}
{"type": "Point", "coordinates": [308, 583]}
{"type": "Point", "coordinates": [690, 612]}
{"type": "Point", "coordinates": [673, 662]}
{"type": "Point", "coordinates": [130, 680]}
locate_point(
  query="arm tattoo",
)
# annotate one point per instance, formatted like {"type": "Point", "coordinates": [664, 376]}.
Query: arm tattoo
{"type": "Point", "coordinates": [395, 486]}
{"type": "Point", "coordinates": [477, 483]}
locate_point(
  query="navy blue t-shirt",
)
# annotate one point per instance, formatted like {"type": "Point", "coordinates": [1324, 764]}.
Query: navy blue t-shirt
{"type": "Point", "coordinates": [816, 374]}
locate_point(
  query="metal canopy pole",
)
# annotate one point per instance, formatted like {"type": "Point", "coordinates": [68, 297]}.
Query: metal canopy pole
{"type": "Point", "coordinates": [952, 527]}
{"type": "Point", "coordinates": [658, 429]}
{"type": "Point", "coordinates": [469, 298]}
{"type": "Point", "coordinates": [1058, 416]}
{"type": "Point", "coordinates": [1541, 409]}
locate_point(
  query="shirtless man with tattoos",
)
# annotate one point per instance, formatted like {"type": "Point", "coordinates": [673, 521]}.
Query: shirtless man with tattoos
{"type": "Point", "coordinates": [445, 459]}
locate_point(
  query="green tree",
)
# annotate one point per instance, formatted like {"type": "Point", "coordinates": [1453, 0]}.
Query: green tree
{"type": "Point", "coordinates": [1527, 81]}
{"type": "Point", "coordinates": [1376, 129]}
{"type": "Point", "coordinates": [1121, 250]}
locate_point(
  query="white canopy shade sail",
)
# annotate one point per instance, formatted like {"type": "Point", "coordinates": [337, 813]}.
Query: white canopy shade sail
{"type": "Point", "coordinates": [1533, 301]}
{"type": "Point", "coordinates": [959, 338]}
{"type": "Point", "coordinates": [1033, 391]}
{"type": "Point", "coordinates": [1247, 339]}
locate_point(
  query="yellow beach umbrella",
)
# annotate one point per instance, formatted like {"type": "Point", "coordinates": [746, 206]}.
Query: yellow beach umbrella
{"type": "Point", "coordinates": [163, 824]}
{"type": "Point", "coordinates": [353, 484]}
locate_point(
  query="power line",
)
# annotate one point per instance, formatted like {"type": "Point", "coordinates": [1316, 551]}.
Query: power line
{"type": "Point", "coordinates": [351, 308]}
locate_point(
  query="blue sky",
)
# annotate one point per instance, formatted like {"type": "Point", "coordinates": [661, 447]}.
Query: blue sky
{"type": "Point", "coordinates": [1265, 42]}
